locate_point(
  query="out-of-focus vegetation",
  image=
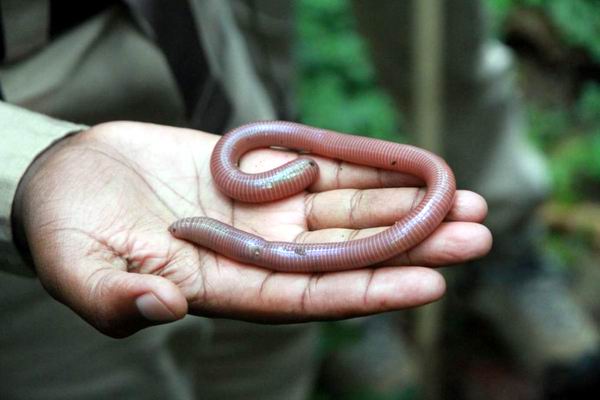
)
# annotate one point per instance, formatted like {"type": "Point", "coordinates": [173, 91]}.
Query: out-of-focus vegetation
{"type": "Point", "coordinates": [338, 87]}
{"type": "Point", "coordinates": [571, 141]}
{"type": "Point", "coordinates": [577, 20]}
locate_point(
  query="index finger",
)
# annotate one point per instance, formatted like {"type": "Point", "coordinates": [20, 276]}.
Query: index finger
{"type": "Point", "coordinates": [333, 174]}
{"type": "Point", "coordinates": [339, 174]}
{"type": "Point", "coordinates": [352, 208]}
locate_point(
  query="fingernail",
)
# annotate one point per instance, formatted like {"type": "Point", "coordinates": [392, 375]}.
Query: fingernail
{"type": "Point", "coordinates": [153, 309]}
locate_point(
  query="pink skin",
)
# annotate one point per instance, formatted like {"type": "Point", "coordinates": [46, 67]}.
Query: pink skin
{"type": "Point", "coordinates": [297, 175]}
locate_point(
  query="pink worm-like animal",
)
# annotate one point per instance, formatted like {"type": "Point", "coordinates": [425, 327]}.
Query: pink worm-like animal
{"type": "Point", "coordinates": [295, 176]}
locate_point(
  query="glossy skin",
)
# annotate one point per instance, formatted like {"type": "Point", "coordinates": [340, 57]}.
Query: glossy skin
{"type": "Point", "coordinates": [297, 175]}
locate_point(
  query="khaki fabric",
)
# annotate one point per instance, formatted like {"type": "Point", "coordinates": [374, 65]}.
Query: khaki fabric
{"type": "Point", "coordinates": [24, 135]}
{"type": "Point", "coordinates": [26, 26]}
{"type": "Point", "coordinates": [269, 29]}
{"type": "Point", "coordinates": [107, 69]}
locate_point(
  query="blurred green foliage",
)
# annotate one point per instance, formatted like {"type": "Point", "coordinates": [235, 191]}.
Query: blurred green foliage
{"type": "Point", "coordinates": [571, 141]}
{"type": "Point", "coordinates": [338, 87]}
{"type": "Point", "coordinates": [577, 20]}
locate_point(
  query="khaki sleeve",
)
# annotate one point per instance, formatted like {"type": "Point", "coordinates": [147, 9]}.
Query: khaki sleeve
{"type": "Point", "coordinates": [23, 135]}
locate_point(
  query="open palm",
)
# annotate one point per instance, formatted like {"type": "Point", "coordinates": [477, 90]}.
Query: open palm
{"type": "Point", "coordinates": [95, 210]}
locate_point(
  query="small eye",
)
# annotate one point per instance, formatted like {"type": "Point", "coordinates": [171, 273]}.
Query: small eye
{"type": "Point", "coordinates": [300, 251]}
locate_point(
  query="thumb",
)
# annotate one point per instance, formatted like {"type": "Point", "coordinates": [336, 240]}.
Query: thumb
{"type": "Point", "coordinates": [120, 303]}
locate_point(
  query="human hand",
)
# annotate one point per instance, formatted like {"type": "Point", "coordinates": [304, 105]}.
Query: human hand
{"type": "Point", "coordinates": [95, 209]}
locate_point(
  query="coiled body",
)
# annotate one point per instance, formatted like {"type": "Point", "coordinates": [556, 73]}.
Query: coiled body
{"type": "Point", "coordinates": [295, 176]}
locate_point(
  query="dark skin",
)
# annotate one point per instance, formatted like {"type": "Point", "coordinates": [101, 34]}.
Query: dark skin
{"type": "Point", "coordinates": [95, 208]}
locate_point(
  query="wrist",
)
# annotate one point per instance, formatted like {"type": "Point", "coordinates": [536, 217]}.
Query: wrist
{"type": "Point", "coordinates": [25, 188]}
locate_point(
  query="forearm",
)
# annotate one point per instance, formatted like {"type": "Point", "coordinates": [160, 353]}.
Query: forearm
{"type": "Point", "coordinates": [25, 135]}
